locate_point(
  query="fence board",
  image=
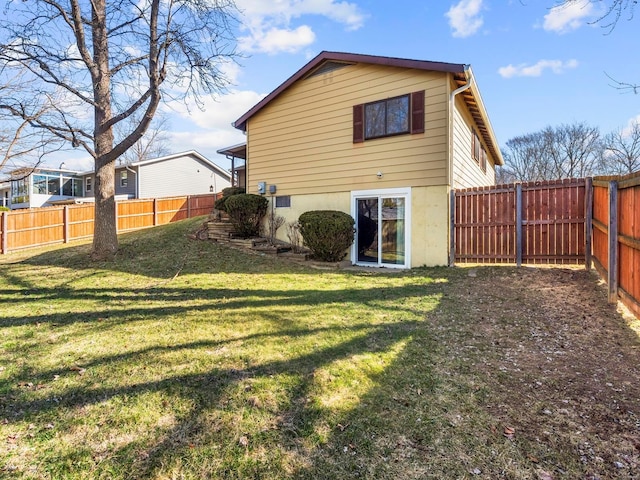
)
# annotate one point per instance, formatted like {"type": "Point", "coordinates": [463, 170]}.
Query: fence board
{"type": "Point", "coordinates": [20, 229]}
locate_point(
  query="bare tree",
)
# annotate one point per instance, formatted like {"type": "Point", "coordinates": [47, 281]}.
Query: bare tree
{"type": "Point", "coordinates": [621, 150]}
{"type": "Point", "coordinates": [555, 152]}
{"type": "Point", "coordinates": [153, 144]}
{"type": "Point", "coordinates": [573, 150]}
{"type": "Point", "coordinates": [19, 141]}
{"type": "Point", "coordinates": [100, 62]}
{"type": "Point", "coordinates": [526, 159]}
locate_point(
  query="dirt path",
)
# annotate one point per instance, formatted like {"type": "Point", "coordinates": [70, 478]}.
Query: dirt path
{"type": "Point", "coordinates": [563, 366]}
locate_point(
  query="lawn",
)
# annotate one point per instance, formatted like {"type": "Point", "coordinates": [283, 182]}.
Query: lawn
{"type": "Point", "coordinates": [184, 359]}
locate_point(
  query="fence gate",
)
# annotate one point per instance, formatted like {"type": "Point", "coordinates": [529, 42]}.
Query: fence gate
{"type": "Point", "coordinates": [534, 222]}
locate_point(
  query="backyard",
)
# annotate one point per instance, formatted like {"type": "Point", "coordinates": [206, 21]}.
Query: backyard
{"type": "Point", "coordinates": [186, 359]}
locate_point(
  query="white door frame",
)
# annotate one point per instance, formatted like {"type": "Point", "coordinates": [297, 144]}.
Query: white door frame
{"type": "Point", "coordinates": [381, 194]}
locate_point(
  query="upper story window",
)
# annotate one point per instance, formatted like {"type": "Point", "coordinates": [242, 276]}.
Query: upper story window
{"type": "Point", "coordinates": [386, 117]}
{"type": "Point", "coordinates": [124, 180]}
{"type": "Point", "coordinates": [392, 116]}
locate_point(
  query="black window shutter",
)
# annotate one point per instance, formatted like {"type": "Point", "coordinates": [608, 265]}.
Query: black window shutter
{"type": "Point", "coordinates": [417, 112]}
{"type": "Point", "coordinates": [358, 123]}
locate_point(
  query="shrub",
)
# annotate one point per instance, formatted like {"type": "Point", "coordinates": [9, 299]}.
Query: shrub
{"type": "Point", "coordinates": [246, 211]}
{"type": "Point", "coordinates": [328, 233]}
{"type": "Point", "coordinates": [226, 193]}
{"type": "Point", "coordinates": [4, 209]}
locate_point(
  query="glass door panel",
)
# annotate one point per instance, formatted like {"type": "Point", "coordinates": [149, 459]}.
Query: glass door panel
{"type": "Point", "coordinates": [393, 231]}
{"type": "Point", "coordinates": [367, 241]}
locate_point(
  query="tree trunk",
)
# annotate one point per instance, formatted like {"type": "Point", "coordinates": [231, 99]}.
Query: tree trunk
{"type": "Point", "coordinates": [105, 238]}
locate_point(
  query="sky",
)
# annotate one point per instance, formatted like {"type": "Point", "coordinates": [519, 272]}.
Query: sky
{"type": "Point", "coordinates": [536, 65]}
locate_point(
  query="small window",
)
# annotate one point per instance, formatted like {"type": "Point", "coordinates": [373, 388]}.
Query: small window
{"type": "Point", "coordinates": [88, 184]}
{"type": "Point", "coordinates": [283, 201]}
{"type": "Point", "coordinates": [124, 181]}
{"type": "Point", "coordinates": [478, 152]}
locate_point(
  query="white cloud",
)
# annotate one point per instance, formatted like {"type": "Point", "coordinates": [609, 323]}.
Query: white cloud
{"type": "Point", "coordinates": [632, 125]}
{"type": "Point", "coordinates": [209, 129]}
{"type": "Point", "coordinates": [269, 24]}
{"type": "Point", "coordinates": [217, 113]}
{"type": "Point", "coordinates": [278, 40]}
{"type": "Point", "coordinates": [464, 17]}
{"type": "Point", "coordinates": [536, 70]}
{"type": "Point", "coordinates": [568, 16]}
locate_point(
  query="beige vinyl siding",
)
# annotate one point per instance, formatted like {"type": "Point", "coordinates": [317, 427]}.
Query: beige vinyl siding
{"type": "Point", "coordinates": [302, 141]}
{"type": "Point", "coordinates": [466, 171]}
{"type": "Point", "coordinates": [178, 176]}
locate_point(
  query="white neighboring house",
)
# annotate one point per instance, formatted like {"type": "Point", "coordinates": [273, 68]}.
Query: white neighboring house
{"type": "Point", "coordinates": [5, 192]}
{"type": "Point", "coordinates": [186, 173]}
{"type": "Point", "coordinates": [180, 174]}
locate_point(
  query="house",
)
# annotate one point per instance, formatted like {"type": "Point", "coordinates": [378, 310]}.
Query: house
{"type": "Point", "coordinates": [5, 190]}
{"type": "Point", "coordinates": [38, 187]}
{"type": "Point", "coordinates": [187, 173]}
{"type": "Point", "coordinates": [383, 139]}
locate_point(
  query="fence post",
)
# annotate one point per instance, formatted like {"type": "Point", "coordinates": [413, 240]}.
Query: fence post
{"type": "Point", "coordinates": [5, 234]}
{"type": "Point", "coordinates": [155, 212]}
{"type": "Point", "coordinates": [65, 224]}
{"type": "Point", "coordinates": [588, 221]}
{"type": "Point", "coordinates": [188, 206]}
{"type": "Point", "coordinates": [519, 224]}
{"type": "Point", "coordinates": [452, 227]}
{"type": "Point", "coordinates": [612, 271]}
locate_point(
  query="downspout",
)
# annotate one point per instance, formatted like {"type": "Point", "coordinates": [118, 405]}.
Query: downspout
{"type": "Point", "coordinates": [452, 100]}
{"type": "Point", "coordinates": [135, 175]}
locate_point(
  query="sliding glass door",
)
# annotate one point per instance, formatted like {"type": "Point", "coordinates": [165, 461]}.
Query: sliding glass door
{"type": "Point", "coordinates": [382, 228]}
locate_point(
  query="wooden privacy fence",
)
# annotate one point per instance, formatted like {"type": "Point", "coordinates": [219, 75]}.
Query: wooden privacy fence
{"type": "Point", "coordinates": [36, 227]}
{"type": "Point", "coordinates": [534, 222]}
{"type": "Point", "coordinates": [616, 236]}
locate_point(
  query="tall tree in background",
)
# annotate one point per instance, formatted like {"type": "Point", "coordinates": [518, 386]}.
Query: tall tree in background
{"type": "Point", "coordinates": [526, 159]}
{"type": "Point", "coordinates": [565, 151]}
{"type": "Point", "coordinates": [621, 150]}
{"type": "Point", "coordinates": [573, 150]}
{"type": "Point", "coordinates": [100, 63]}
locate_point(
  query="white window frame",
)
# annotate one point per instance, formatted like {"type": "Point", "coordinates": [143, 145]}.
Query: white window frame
{"type": "Point", "coordinates": [88, 185]}
{"type": "Point", "coordinates": [381, 194]}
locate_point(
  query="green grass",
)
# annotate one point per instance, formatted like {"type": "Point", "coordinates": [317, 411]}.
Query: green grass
{"type": "Point", "coordinates": [186, 359]}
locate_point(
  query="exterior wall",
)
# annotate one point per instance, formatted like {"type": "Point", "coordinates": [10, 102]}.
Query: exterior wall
{"type": "Point", "coordinates": [302, 141]}
{"type": "Point", "coordinates": [178, 176]}
{"type": "Point", "coordinates": [130, 189]}
{"type": "Point", "coordinates": [466, 171]}
{"type": "Point", "coordinates": [429, 220]}
{"type": "Point", "coordinates": [430, 226]}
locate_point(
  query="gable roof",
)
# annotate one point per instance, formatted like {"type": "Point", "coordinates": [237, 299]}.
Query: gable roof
{"type": "Point", "coordinates": [326, 61]}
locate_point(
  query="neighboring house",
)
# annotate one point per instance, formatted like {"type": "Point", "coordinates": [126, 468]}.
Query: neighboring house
{"type": "Point", "coordinates": [384, 139]}
{"type": "Point", "coordinates": [187, 173]}
{"type": "Point", "coordinates": [5, 192]}
{"type": "Point", "coordinates": [38, 187]}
